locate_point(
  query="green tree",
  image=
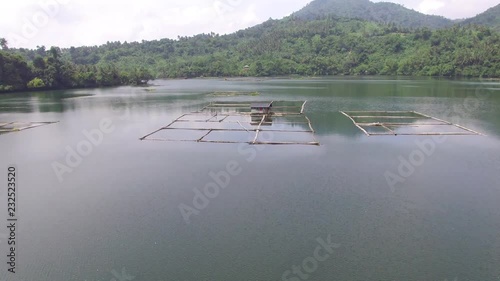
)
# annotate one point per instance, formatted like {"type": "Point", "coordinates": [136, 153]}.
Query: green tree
{"type": "Point", "coordinates": [4, 44]}
{"type": "Point", "coordinates": [36, 83]}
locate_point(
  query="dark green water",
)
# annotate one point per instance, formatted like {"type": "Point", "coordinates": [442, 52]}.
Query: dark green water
{"type": "Point", "coordinates": [116, 215]}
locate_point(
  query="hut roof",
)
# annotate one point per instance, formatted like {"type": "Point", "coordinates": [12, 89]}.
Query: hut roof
{"type": "Point", "coordinates": [261, 105]}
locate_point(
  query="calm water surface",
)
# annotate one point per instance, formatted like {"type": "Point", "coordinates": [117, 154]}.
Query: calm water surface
{"type": "Point", "coordinates": [116, 215]}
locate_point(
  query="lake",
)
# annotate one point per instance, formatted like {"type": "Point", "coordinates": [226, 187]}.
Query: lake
{"type": "Point", "coordinates": [354, 208]}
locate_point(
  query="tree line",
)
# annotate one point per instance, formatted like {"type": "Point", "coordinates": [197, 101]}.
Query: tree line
{"type": "Point", "coordinates": [48, 69]}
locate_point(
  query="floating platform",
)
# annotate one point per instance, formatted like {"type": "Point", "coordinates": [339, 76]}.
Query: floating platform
{"type": "Point", "coordinates": [234, 122]}
{"type": "Point", "coordinates": [10, 127]}
{"type": "Point", "coordinates": [404, 123]}
{"type": "Point", "coordinates": [278, 107]}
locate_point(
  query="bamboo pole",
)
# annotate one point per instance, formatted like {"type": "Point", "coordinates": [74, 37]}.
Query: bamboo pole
{"type": "Point", "coordinates": [359, 127]}
{"type": "Point", "coordinates": [388, 117]}
{"type": "Point", "coordinates": [210, 141]}
{"type": "Point", "coordinates": [288, 106]}
{"type": "Point", "coordinates": [44, 123]}
{"type": "Point", "coordinates": [206, 106]}
{"type": "Point", "coordinates": [258, 129]}
{"type": "Point", "coordinates": [208, 120]}
{"type": "Point", "coordinates": [403, 124]}
{"type": "Point", "coordinates": [469, 130]}
{"type": "Point", "coordinates": [369, 111]}
{"type": "Point", "coordinates": [437, 119]}
{"type": "Point", "coordinates": [237, 130]}
{"type": "Point", "coordinates": [246, 113]}
{"type": "Point", "coordinates": [222, 120]}
{"type": "Point", "coordinates": [394, 133]}
{"type": "Point", "coordinates": [426, 134]}
{"type": "Point", "coordinates": [204, 136]}
{"type": "Point", "coordinates": [170, 140]}
{"type": "Point", "coordinates": [255, 139]}
{"type": "Point", "coordinates": [303, 107]}
{"type": "Point", "coordinates": [193, 121]}
{"type": "Point", "coordinates": [234, 142]}
{"type": "Point", "coordinates": [449, 123]}
{"type": "Point", "coordinates": [30, 125]}
{"type": "Point", "coordinates": [229, 105]}
{"type": "Point", "coordinates": [242, 126]}
{"type": "Point", "coordinates": [281, 114]}
{"type": "Point", "coordinates": [286, 143]}
{"type": "Point", "coordinates": [162, 128]}
{"type": "Point", "coordinates": [6, 124]}
{"type": "Point", "coordinates": [310, 126]}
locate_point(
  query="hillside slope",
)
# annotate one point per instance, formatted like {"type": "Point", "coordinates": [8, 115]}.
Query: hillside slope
{"type": "Point", "coordinates": [489, 18]}
{"type": "Point", "coordinates": [382, 12]}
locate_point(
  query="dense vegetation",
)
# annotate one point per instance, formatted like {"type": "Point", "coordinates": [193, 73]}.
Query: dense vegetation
{"type": "Point", "coordinates": [51, 70]}
{"type": "Point", "coordinates": [327, 45]}
{"type": "Point", "coordinates": [489, 18]}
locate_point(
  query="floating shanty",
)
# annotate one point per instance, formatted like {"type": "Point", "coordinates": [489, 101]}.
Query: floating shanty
{"type": "Point", "coordinates": [274, 122]}
{"type": "Point", "coordinates": [261, 107]}
{"type": "Point", "coordinates": [404, 123]}
{"type": "Point", "coordinates": [9, 127]}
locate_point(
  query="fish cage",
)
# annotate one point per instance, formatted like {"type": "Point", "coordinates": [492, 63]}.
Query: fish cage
{"type": "Point", "coordinates": [9, 127]}
{"type": "Point", "coordinates": [273, 123]}
{"type": "Point", "coordinates": [276, 108]}
{"type": "Point", "coordinates": [404, 123]}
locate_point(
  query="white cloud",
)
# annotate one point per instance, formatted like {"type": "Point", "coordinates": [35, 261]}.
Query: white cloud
{"type": "Point", "coordinates": [428, 6]}
{"type": "Point", "coordinates": [93, 22]}
{"type": "Point", "coordinates": [453, 9]}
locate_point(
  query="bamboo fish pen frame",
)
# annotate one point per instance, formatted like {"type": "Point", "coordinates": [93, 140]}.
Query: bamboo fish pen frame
{"type": "Point", "coordinates": [207, 120]}
{"type": "Point", "coordinates": [390, 127]}
{"type": "Point", "coordinates": [10, 127]}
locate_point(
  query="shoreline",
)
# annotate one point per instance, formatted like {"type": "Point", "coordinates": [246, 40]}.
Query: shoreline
{"type": "Point", "coordinates": [262, 78]}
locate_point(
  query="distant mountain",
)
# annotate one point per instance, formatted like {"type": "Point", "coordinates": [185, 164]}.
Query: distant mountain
{"type": "Point", "coordinates": [489, 18]}
{"type": "Point", "coordinates": [382, 12]}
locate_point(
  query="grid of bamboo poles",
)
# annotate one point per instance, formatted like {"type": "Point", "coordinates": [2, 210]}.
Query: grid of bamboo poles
{"type": "Point", "coordinates": [389, 126]}
{"type": "Point", "coordinates": [208, 116]}
{"type": "Point", "coordinates": [8, 127]}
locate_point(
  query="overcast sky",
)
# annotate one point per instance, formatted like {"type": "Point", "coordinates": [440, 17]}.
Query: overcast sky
{"type": "Point", "coordinates": [65, 23]}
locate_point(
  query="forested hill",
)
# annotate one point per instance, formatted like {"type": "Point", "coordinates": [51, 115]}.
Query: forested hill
{"type": "Point", "coordinates": [327, 45]}
{"type": "Point", "coordinates": [383, 12]}
{"type": "Point", "coordinates": [489, 18]}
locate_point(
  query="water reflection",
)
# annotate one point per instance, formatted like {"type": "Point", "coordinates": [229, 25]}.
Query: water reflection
{"type": "Point", "coordinates": [284, 196]}
{"type": "Point", "coordinates": [326, 98]}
